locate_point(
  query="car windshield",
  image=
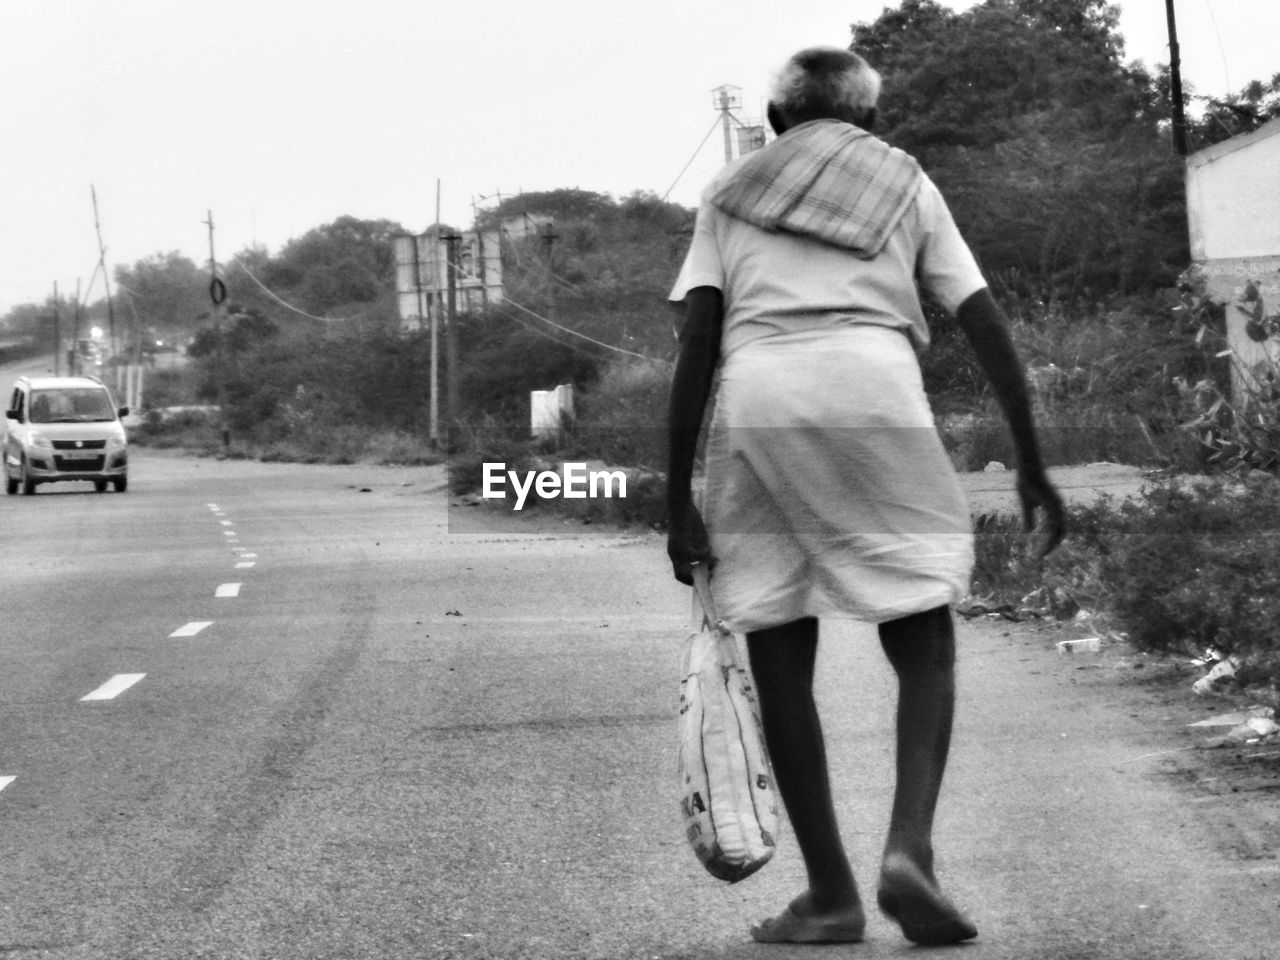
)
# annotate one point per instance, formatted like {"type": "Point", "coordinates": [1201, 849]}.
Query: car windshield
{"type": "Point", "coordinates": [71, 405]}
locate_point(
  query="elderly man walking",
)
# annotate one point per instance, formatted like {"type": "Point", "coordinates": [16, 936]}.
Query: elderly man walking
{"type": "Point", "coordinates": [828, 491]}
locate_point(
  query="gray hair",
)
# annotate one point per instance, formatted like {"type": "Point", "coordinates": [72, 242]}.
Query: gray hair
{"type": "Point", "coordinates": [822, 83]}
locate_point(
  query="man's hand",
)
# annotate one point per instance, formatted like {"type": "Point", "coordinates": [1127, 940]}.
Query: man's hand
{"type": "Point", "coordinates": [687, 542]}
{"type": "Point", "coordinates": [1035, 491]}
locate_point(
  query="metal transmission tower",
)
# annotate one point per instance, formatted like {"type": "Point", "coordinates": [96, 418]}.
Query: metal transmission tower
{"type": "Point", "coordinates": [728, 99]}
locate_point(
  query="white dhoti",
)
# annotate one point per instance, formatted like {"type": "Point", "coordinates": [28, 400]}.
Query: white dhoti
{"type": "Point", "coordinates": [828, 490]}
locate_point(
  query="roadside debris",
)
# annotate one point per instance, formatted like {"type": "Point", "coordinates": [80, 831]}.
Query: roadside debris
{"type": "Point", "coordinates": [1040, 604]}
{"type": "Point", "coordinates": [1083, 645]}
{"type": "Point", "coordinates": [1221, 674]}
{"type": "Point", "coordinates": [1256, 725]}
{"type": "Point", "coordinates": [1235, 719]}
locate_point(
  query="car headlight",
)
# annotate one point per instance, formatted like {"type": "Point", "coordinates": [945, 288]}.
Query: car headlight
{"type": "Point", "coordinates": [115, 444]}
{"type": "Point", "coordinates": [41, 441]}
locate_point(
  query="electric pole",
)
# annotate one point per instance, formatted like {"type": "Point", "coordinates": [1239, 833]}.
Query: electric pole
{"type": "Point", "coordinates": [106, 279]}
{"type": "Point", "coordinates": [1175, 78]}
{"type": "Point", "coordinates": [73, 355]}
{"type": "Point", "coordinates": [425, 315]}
{"type": "Point", "coordinates": [57, 334]}
{"type": "Point", "coordinates": [218, 295]}
{"type": "Point", "coordinates": [548, 236]}
{"type": "Point", "coordinates": [727, 99]}
{"type": "Point", "coordinates": [451, 339]}
{"type": "Point", "coordinates": [480, 264]}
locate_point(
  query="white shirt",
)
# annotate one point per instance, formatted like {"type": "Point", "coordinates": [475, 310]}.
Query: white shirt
{"type": "Point", "coordinates": [783, 283]}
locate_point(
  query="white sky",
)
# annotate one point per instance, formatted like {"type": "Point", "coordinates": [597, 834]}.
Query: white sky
{"type": "Point", "coordinates": [282, 115]}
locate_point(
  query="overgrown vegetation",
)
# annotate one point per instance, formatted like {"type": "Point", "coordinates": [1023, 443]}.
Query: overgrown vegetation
{"type": "Point", "coordinates": [1189, 566]}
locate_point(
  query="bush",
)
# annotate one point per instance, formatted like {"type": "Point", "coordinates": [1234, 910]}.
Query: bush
{"type": "Point", "coordinates": [1196, 566]}
{"type": "Point", "coordinates": [339, 444]}
{"type": "Point", "coordinates": [1102, 382]}
{"type": "Point", "coordinates": [622, 416]}
{"type": "Point", "coordinates": [173, 387]}
{"type": "Point", "coordinates": [1185, 567]}
{"type": "Point", "coordinates": [189, 430]}
{"type": "Point", "coordinates": [489, 440]}
{"type": "Point", "coordinates": [1236, 426]}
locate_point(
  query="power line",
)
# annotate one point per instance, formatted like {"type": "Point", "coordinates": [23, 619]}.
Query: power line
{"type": "Point", "coordinates": [289, 306]}
{"type": "Point", "coordinates": [574, 333]}
{"type": "Point", "coordinates": [569, 330]}
{"type": "Point", "coordinates": [1226, 72]}
{"type": "Point", "coordinates": [715, 124]}
{"type": "Point", "coordinates": [583, 336]}
{"type": "Point", "coordinates": [530, 327]}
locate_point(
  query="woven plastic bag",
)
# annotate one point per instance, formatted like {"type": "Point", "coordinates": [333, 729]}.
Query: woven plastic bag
{"type": "Point", "coordinates": [727, 794]}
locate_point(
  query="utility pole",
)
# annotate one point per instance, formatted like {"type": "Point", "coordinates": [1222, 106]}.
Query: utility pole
{"type": "Point", "coordinates": [727, 99]}
{"type": "Point", "coordinates": [433, 309]}
{"type": "Point", "coordinates": [480, 266]}
{"type": "Point", "coordinates": [73, 355]}
{"type": "Point", "coordinates": [106, 279]}
{"type": "Point", "coordinates": [218, 295]}
{"type": "Point", "coordinates": [423, 313]}
{"type": "Point", "coordinates": [547, 234]}
{"type": "Point", "coordinates": [1175, 78]}
{"type": "Point", "coordinates": [451, 339]}
{"type": "Point", "coordinates": [57, 334]}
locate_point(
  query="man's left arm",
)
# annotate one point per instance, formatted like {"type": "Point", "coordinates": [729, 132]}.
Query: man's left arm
{"type": "Point", "coordinates": [987, 330]}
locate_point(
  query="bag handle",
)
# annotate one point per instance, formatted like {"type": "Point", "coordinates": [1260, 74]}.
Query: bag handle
{"type": "Point", "coordinates": [730, 657]}
{"type": "Point", "coordinates": [702, 587]}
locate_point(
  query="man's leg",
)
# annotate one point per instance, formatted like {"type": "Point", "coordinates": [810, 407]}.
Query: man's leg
{"type": "Point", "coordinates": [921, 649]}
{"type": "Point", "coordinates": [782, 665]}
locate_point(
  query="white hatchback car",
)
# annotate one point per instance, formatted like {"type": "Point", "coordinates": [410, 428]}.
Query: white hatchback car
{"type": "Point", "coordinates": [64, 428]}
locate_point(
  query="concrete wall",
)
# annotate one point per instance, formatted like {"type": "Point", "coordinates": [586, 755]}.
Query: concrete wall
{"type": "Point", "coordinates": [1233, 207]}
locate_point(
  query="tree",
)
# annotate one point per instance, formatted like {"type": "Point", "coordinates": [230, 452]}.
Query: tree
{"type": "Point", "coordinates": [331, 268]}
{"type": "Point", "coordinates": [245, 330]}
{"type": "Point", "coordinates": [165, 294]}
{"type": "Point", "coordinates": [1050, 149]}
{"type": "Point", "coordinates": [1238, 113]}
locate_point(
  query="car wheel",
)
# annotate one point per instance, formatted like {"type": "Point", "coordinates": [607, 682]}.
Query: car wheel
{"type": "Point", "coordinates": [120, 483]}
{"type": "Point", "coordinates": [100, 486]}
{"type": "Point", "coordinates": [28, 484]}
{"type": "Point", "coordinates": [10, 484]}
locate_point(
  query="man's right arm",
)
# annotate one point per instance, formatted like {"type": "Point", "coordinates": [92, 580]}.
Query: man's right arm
{"type": "Point", "coordinates": [690, 389]}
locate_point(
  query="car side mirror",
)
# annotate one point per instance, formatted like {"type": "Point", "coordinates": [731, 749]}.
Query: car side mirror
{"type": "Point", "coordinates": [13, 415]}
{"type": "Point", "coordinates": [123, 412]}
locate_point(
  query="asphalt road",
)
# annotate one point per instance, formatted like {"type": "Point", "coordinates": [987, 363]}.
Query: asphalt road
{"type": "Point", "coordinates": [404, 737]}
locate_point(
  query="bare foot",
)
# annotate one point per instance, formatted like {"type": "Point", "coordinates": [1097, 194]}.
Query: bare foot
{"type": "Point", "coordinates": [801, 922]}
{"type": "Point", "coordinates": [913, 898]}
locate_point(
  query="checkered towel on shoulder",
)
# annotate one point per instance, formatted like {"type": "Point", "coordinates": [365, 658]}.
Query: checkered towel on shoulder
{"type": "Point", "coordinates": [824, 179]}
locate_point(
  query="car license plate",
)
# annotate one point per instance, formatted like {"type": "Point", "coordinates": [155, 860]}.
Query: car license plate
{"type": "Point", "coordinates": [80, 455]}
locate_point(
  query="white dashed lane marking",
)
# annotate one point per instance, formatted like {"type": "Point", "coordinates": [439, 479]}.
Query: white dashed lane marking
{"type": "Point", "coordinates": [227, 590]}
{"type": "Point", "coordinates": [245, 565]}
{"type": "Point", "coordinates": [114, 687]}
{"type": "Point", "coordinates": [228, 533]}
{"type": "Point", "coordinates": [191, 629]}
{"type": "Point", "coordinates": [5, 781]}
{"type": "Point", "coordinates": [225, 523]}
